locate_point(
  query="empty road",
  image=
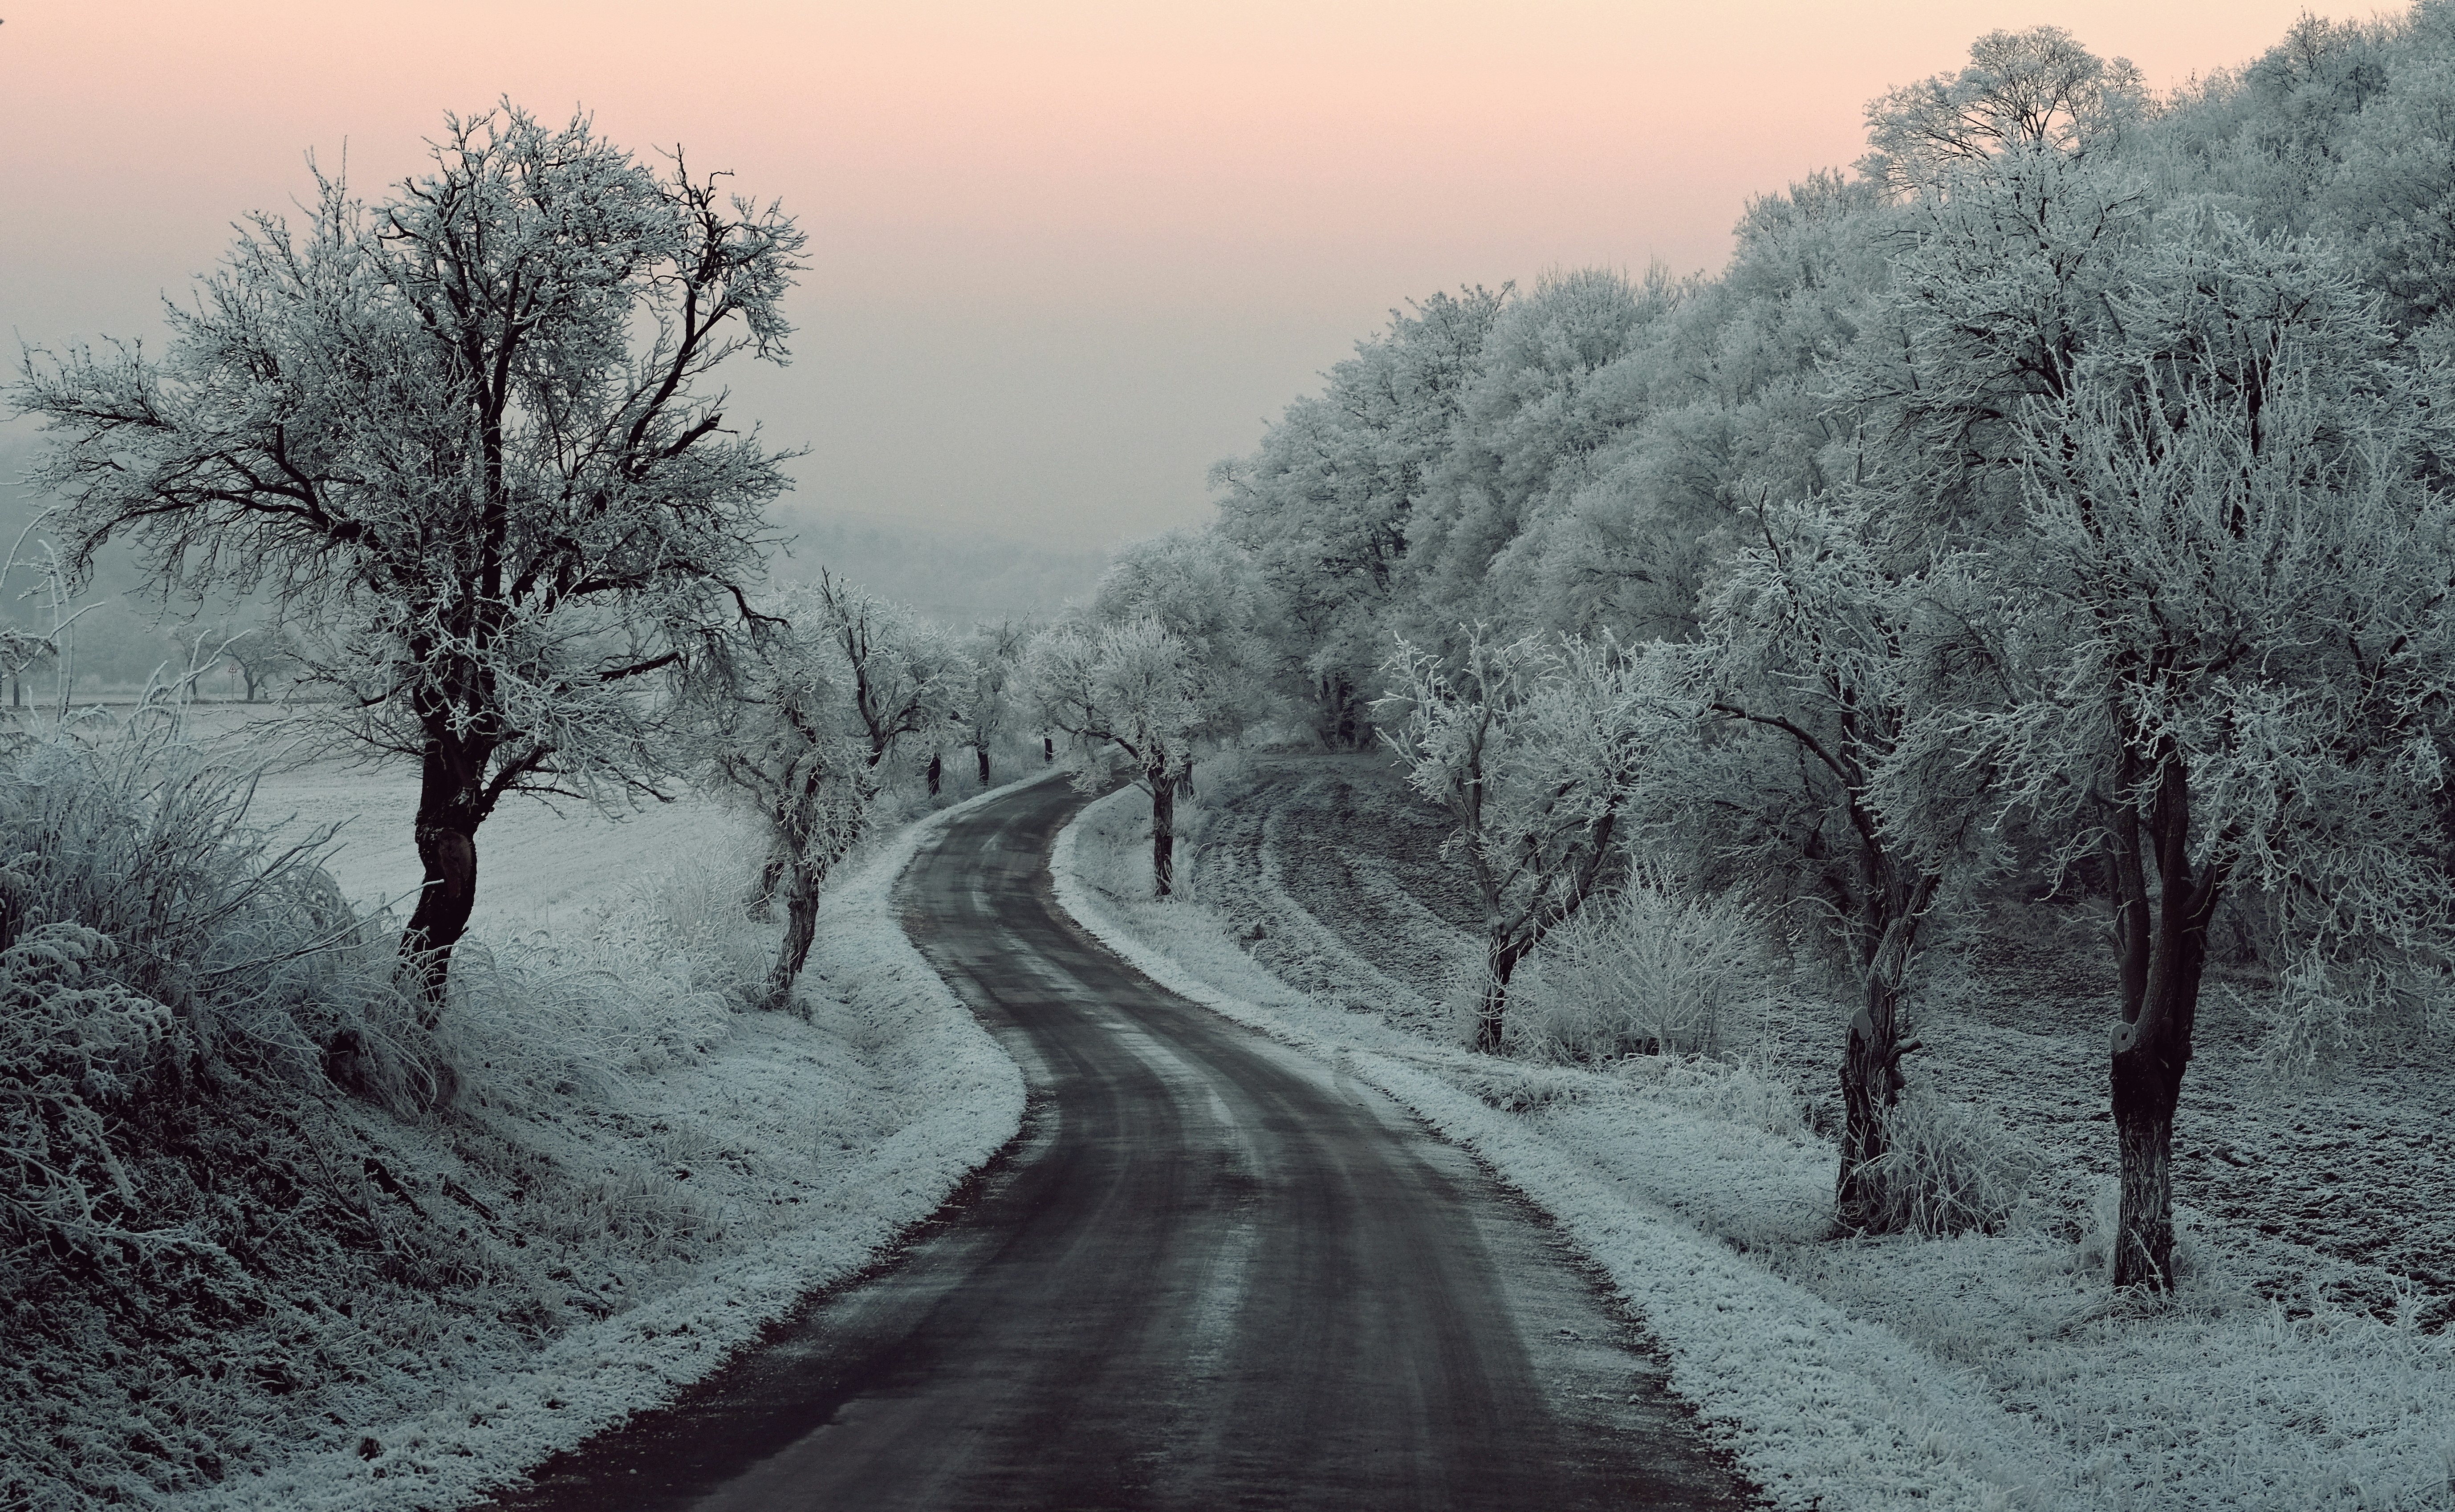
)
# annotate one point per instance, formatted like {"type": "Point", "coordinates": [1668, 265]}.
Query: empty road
{"type": "Point", "coordinates": [1210, 1274]}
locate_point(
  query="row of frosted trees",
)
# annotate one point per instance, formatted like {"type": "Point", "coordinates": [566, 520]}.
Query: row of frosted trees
{"type": "Point", "coordinates": [2060, 496]}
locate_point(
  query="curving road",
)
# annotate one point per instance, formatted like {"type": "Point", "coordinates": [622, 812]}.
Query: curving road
{"type": "Point", "coordinates": [1210, 1274]}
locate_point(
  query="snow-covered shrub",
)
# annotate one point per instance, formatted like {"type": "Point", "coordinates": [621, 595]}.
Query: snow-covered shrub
{"type": "Point", "coordinates": [2320, 1016]}
{"type": "Point", "coordinates": [74, 1046]}
{"type": "Point", "coordinates": [1949, 1168]}
{"type": "Point", "coordinates": [175, 992]}
{"type": "Point", "coordinates": [146, 840]}
{"type": "Point", "coordinates": [1648, 969]}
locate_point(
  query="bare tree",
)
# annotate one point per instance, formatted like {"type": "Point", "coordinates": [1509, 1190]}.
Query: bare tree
{"type": "Point", "coordinates": [461, 437]}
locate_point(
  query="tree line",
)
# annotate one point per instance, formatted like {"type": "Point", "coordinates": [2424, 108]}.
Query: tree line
{"type": "Point", "coordinates": [2058, 495]}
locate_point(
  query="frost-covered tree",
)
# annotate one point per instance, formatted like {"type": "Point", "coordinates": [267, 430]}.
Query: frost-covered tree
{"type": "Point", "coordinates": [903, 673]}
{"type": "Point", "coordinates": [1534, 748]}
{"type": "Point", "coordinates": [781, 734]}
{"type": "Point", "coordinates": [1738, 417]}
{"type": "Point", "coordinates": [462, 437]}
{"type": "Point", "coordinates": [1326, 505]}
{"type": "Point", "coordinates": [1813, 657]}
{"type": "Point", "coordinates": [1131, 694]}
{"type": "Point", "coordinates": [2234, 650]}
{"type": "Point", "coordinates": [984, 703]}
{"type": "Point", "coordinates": [1553, 385]}
{"type": "Point", "coordinates": [2022, 91]}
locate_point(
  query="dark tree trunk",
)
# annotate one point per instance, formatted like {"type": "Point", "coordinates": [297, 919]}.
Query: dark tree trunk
{"type": "Point", "coordinates": [936, 772]}
{"type": "Point", "coordinates": [983, 751]}
{"type": "Point", "coordinates": [1047, 750]}
{"type": "Point", "coordinates": [2162, 964]}
{"type": "Point", "coordinates": [800, 927]}
{"type": "Point", "coordinates": [1162, 790]}
{"type": "Point", "coordinates": [450, 803]}
{"type": "Point", "coordinates": [2147, 1084]}
{"type": "Point", "coordinates": [1873, 1047]}
{"type": "Point", "coordinates": [1500, 957]}
{"type": "Point", "coordinates": [1338, 711]}
{"type": "Point", "coordinates": [1871, 1083]}
{"type": "Point", "coordinates": [771, 875]}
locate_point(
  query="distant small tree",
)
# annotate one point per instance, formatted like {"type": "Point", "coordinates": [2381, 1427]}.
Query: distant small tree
{"type": "Point", "coordinates": [255, 655]}
{"type": "Point", "coordinates": [1130, 695]}
{"type": "Point", "coordinates": [260, 653]}
{"type": "Point", "coordinates": [461, 437]}
{"type": "Point", "coordinates": [982, 703]}
{"type": "Point", "coordinates": [781, 734]}
{"type": "Point", "coordinates": [1534, 748]}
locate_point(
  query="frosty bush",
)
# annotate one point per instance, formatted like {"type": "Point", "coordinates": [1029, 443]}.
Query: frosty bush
{"type": "Point", "coordinates": [149, 939]}
{"type": "Point", "coordinates": [147, 839]}
{"type": "Point", "coordinates": [1650, 969]}
{"type": "Point", "coordinates": [1948, 1168]}
{"type": "Point", "coordinates": [74, 1045]}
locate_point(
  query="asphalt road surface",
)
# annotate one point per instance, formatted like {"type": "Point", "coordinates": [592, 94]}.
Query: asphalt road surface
{"type": "Point", "coordinates": [1212, 1274]}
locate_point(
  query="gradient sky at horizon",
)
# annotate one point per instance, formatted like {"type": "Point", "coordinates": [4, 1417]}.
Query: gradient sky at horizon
{"type": "Point", "coordinates": [1063, 256]}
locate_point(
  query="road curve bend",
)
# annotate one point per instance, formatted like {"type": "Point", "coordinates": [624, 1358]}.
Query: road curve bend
{"type": "Point", "coordinates": [1210, 1274]}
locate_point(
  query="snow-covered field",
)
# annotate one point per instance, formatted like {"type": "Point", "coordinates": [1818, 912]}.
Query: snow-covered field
{"type": "Point", "coordinates": [1980, 1371]}
{"type": "Point", "coordinates": [637, 1177]}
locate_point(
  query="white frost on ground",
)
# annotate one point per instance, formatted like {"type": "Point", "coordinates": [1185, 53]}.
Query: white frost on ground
{"type": "Point", "coordinates": [818, 1141]}
{"type": "Point", "coordinates": [1981, 1372]}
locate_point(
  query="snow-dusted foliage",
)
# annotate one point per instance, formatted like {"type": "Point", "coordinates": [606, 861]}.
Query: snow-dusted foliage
{"type": "Point", "coordinates": [1165, 656]}
{"type": "Point", "coordinates": [461, 438]}
{"type": "Point", "coordinates": [1533, 747]}
{"type": "Point", "coordinates": [2063, 485]}
{"type": "Point", "coordinates": [1323, 505]}
{"type": "Point", "coordinates": [1649, 968]}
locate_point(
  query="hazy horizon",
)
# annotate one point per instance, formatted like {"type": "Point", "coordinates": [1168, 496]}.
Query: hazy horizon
{"type": "Point", "coordinates": [1062, 261]}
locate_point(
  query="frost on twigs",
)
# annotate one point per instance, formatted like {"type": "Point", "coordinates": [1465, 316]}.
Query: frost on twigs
{"type": "Point", "coordinates": [818, 693]}
{"type": "Point", "coordinates": [1647, 969]}
{"type": "Point", "coordinates": [1533, 749]}
{"type": "Point", "coordinates": [464, 440]}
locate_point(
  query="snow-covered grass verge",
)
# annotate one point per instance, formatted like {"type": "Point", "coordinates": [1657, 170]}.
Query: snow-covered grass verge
{"type": "Point", "coordinates": [368, 1306]}
{"type": "Point", "coordinates": [827, 1141]}
{"type": "Point", "coordinates": [1975, 1372]}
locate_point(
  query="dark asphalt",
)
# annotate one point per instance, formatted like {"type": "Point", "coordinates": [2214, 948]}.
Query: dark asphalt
{"type": "Point", "coordinates": [1210, 1274]}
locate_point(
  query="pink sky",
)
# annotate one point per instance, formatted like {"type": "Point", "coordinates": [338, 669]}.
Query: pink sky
{"type": "Point", "coordinates": [1065, 254]}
